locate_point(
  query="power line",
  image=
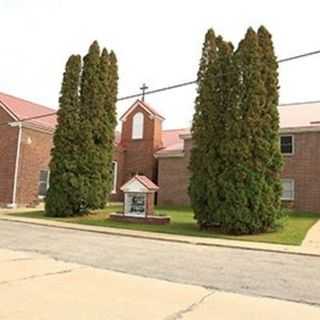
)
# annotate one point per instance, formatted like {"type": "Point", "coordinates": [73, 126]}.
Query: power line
{"type": "Point", "coordinates": [175, 86]}
{"type": "Point", "coordinates": [303, 55]}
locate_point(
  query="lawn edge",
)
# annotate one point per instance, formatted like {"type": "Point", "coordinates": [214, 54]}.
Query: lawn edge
{"type": "Point", "coordinates": [223, 243]}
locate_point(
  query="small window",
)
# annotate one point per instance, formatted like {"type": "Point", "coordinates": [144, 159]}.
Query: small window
{"type": "Point", "coordinates": [43, 183]}
{"type": "Point", "coordinates": [137, 126]}
{"type": "Point", "coordinates": [287, 189]}
{"type": "Point", "coordinates": [114, 176]}
{"type": "Point", "coordinates": [287, 144]}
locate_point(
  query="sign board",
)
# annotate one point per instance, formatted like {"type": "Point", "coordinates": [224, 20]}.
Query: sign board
{"type": "Point", "coordinates": [135, 204]}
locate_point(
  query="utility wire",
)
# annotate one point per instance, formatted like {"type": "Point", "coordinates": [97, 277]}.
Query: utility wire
{"type": "Point", "coordinates": [175, 86]}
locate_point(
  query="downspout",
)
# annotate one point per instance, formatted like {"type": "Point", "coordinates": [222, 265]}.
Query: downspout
{"type": "Point", "coordinates": [16, 170]}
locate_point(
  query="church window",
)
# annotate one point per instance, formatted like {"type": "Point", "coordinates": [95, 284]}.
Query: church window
{"type": "Point", "coordinates": [137, 126]}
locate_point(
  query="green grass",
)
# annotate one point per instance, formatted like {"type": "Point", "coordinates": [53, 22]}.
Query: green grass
{"type": "Point", "coordinates": [182, 223]}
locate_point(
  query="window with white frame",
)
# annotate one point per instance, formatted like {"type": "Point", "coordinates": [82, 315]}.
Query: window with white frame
{"type": "Point", "coordinates": [114, 176]}
{"type": "Point", "coordinates": [287, 189]}
{"type": "Point", "coordinates": [137, 126]}
{"type": "Point", "coordinates": [43, 183]}
{"type": "Point", "coordinates": [287, 144]}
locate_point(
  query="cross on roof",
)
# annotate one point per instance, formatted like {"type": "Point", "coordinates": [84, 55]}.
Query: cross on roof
{"type": "Point", "coordinates": [143, 88]}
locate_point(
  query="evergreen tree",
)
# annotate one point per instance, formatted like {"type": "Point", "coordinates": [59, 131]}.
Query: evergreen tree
{"type": "Point", "coordinates": [63, 198]}
{"type": "Point", "coordinates": [272, 156]}
{"type": "Point", "coordinates": [198, 166]}
{"type": "Point", "coordinates": [257, 212]}
{"type": "Point", "coordinates": [109, 79]}
{"type": "Point", "coordinates": [92, 128]}
{"type": "Point", "coordinates": [235, 159]}
{"type": "Point", "coordinates": [97, 122]}
{"type": "Point", "coordinates": [225, 186]}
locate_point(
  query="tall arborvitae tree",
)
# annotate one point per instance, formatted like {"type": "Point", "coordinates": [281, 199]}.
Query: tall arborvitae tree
{"type": "Point", "coordinates": [257, 213]}
{"type": "Point", "coordinates": [109, 79]}
{"type": "Point", "coordinates": [235, 161]}
{"type": "Point", "coordinates": [92, 128]}
{"type": "Point", "coordinates": [64, 198]}
{"type": "Point", "coordinates": [272, 157]}
{"type": "Point", "coordinates": [97, 122]}
{"type": "Point", "coordinates": [198, 186]}
{"type": "Point", "coordinates": [225, 187]}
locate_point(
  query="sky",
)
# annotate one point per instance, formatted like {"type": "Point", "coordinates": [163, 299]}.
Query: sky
{"type": "Point", "coordinates": [156, 42]}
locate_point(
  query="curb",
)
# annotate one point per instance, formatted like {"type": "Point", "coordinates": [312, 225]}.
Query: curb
{"type": "Point", "coordinates": [155, 236]}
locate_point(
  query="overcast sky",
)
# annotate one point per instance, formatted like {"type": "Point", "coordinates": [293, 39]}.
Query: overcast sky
{"type": "Point", "coordinates": [157, 42]}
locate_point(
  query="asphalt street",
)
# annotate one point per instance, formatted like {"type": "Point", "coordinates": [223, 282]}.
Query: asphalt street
{"type": "Point", "coordinates": [282, 276]}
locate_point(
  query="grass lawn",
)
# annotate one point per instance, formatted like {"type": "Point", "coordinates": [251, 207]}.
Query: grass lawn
{"type": "Point", "coordinates": [182, 223]}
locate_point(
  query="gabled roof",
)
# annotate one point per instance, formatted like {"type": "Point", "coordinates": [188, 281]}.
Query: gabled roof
{"type": "Point", "coordinates": [142, 180]}
{"type": "Point", "coordinates": [152, 112]}
{"type": "Point", "coordinates": [21, 109]}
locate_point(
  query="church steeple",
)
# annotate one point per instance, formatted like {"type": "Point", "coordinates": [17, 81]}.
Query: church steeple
{"type": "Point", "coordinates": [141, 137]}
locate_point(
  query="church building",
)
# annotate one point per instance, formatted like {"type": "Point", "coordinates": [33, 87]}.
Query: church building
{"type": "Point", "coordinates": [144, 147]}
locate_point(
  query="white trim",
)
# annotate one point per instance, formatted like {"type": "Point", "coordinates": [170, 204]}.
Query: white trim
{"type": "Point", "coordinates": [282, 131]}
{"type": "Point", "coordinates": [312, 128]}
{"type": "Point", "coordinates": [16, 169]}
{"type": "Point", "coordinates": [137, 126]}
{"type": "Point", "coordinates": [41, 128]}
{"type": "Point", "coordinates": [293, 189]}
{"type": "Point", "coordinates": [293, 144]}
{"type": "Point", "coordinates": [115, 177]}
{"type": "Point", "coordinates": [185, 136]}
{"type": "Point", "coordinates": [169, 154]}
{"type": "Point", "coordinates": [145, 108]}
{"type": "Point", "coordinates": [47, 182]}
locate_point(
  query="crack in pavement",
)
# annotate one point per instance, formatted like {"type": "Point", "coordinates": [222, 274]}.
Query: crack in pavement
{"type": "Point", "coordinates": [179, 315]}
{"type": "Point", "coordinates": [42, 275]}
{"type": "Point", "coordinates": [21, 259]}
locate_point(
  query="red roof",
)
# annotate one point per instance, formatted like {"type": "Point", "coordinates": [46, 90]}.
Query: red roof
{"type": "Point", "coordinates": [172, 137]}
{"type": "Point", "coordinates": [22, 109]}
{"type": "Point", "coordinates": [146, 182]}
{"type": "Point", "coordinates": [296, 115]}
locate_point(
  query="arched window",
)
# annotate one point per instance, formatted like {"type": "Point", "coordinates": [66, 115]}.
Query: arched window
{"type": "Point", "coordinates": [137, 126]}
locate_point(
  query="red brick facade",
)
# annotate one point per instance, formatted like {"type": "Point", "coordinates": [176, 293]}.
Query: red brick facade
{"type": "Point", "coordinates": [173, 178]}
{"type": "Point", "coordinates": [136, 156]}
{"type": "Point", "coordinates": [161, 155]}
{"type": "Point", "coordinates": [303, 167]}
{"type": "Point", "coordinates": [35, 146]}
{"type": "Point", "coordinates": [34, 157]}
{"type": "Point", "coordinates": [8, 150]}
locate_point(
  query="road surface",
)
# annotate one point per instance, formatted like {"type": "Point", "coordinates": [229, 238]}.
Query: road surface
{"type": "Point", "coordinates": [277, 275]}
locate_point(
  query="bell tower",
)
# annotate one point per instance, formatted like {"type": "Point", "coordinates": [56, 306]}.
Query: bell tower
{"type": "Point", "coordinates": [141, 137]}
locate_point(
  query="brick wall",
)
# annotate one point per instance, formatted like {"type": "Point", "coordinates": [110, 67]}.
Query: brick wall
{"type": "Point", "coordinates": [8, 148]}
{"type": "Point", "coordinates": [303, 167]}
{"type": "Point", "coordinates": [173, 179]}
{"type": "Point", "coordinates": [34, 156]}
{"type": "Point", "coordinates": [139, 153]}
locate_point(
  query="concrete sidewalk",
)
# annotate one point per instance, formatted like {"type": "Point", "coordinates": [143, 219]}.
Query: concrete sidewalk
{"type": "Point", "coordinates": [308, 250]}
{"type": "Point", "coordinates": [34, 286]}
{"type": "Point", "coordinates": [312, 240]}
